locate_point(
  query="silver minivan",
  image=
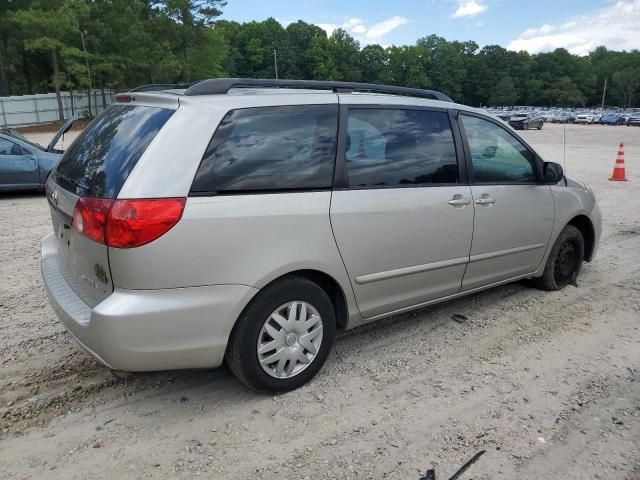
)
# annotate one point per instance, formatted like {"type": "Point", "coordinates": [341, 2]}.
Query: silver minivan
{"type": "Point", "coordinates": [249, 220]}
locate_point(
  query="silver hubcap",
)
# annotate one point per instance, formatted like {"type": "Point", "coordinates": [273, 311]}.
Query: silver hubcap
{"type": "Point", "coordinates": [289, 339]}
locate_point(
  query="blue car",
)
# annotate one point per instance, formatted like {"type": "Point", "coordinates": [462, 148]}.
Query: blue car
{"type": "Point", "coordinates": [612, 119]}
{"type": "Point", "coordinates": [25, 165]}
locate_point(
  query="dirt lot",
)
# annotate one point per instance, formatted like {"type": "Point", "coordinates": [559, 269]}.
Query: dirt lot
{"type": "Point", "coordinates": [547, 383]}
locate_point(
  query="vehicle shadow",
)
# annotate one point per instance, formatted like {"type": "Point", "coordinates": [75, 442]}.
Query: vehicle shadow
{"type": "Point", "coordinates": [21, 194]}
{"type": "Point", "coordinates": [216, 385]}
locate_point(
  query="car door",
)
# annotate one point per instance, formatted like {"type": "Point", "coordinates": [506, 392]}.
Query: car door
{"type": "Point", "coordinates": [401, 210]}
{"type": "Point", "coordinates": [514, 212]}
{"type": "Point", "coordinates": [18, 166]}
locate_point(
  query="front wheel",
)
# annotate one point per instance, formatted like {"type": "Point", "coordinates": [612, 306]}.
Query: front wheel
{"type": "Point", "coordinates": [564, 262]}
{"type": "Point", "coordinates": [283, 337]}
{"type": "Point", "coordinates": [540, 126]}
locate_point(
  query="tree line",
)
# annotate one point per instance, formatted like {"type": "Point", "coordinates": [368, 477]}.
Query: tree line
{"type": "Point", "coordinates": [53, 45]}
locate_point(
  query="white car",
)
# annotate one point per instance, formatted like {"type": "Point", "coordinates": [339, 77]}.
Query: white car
{"type": "Point", "coordinates": [585, 118]}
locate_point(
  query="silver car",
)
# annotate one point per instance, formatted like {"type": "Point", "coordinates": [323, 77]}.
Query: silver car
{"type": "Point", "coordinates": [249, 220]}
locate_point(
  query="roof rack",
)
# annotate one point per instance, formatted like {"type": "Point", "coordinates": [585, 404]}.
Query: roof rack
{"type": "Point", "coordinates": [219, 86]}
{"type": "Point", "coordinates": [155, 87]}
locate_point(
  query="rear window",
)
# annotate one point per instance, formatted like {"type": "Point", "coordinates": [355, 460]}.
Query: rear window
{"type": "Point", "coordinates": [100, 160]}
{"type": "Point", "coordinates": [270, 148]}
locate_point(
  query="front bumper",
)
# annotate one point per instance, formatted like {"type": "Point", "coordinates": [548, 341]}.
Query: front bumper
{"type": "Point", "coordinates": [596, 220]}
{"type": "Point", "coordinates": [146, 330]}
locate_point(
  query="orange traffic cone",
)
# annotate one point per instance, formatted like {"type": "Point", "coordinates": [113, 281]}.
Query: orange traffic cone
{"type": "Point", "coordinates": [619, 174]}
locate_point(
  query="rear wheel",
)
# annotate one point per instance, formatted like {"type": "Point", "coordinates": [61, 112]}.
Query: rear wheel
{"type": "Point", "coordinates": [283, 337]}
{"type": "Point", "coordinates": [564, 262]}
{"type": "Point", "coordinates": [540, 126]}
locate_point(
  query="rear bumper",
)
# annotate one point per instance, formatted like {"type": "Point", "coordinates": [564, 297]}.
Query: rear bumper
{"type": "Point", "coordinates": [146, 330]}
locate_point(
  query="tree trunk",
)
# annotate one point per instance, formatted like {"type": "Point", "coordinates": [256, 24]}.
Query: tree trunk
{"type": "Point", "coordinates": [89, 102]}
{"type": "Point", "coordinates": [104, 98]}
{"type": "Point", "coordinates": [54, 59]}
{"type": "Point", "coordinates": [4, 85]}
{"type": "Point", "coordinates": [186, 24]}
{"type": "Point", "coordinates": [26, 72]}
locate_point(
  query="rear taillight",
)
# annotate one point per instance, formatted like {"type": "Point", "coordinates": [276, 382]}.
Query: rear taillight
{"type": "Point", "coordinates": [90, 217]}
{"type": "Point", "coordinates": [126, 223]}
{"type": "Point", "coordinates": [133, 223]}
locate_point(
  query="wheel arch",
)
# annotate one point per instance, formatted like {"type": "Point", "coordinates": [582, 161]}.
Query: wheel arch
{"type": "Point", "coordinates": [327, 282]}
{"type": "Point", "coordinates": [583, 223]}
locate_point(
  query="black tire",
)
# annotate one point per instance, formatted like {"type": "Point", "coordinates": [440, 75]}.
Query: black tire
{"type": "Point", "coordinates": [540, 126]}
{"type": "Point", "coordinates": [242, 355]}
{"type": "Point", "coordinates": [564, 262]}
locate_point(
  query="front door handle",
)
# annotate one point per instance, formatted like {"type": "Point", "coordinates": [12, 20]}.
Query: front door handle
{"type": "Point", "coordinates": [459, 201]}
{"type": "Point", "coordinates": [485, 200]}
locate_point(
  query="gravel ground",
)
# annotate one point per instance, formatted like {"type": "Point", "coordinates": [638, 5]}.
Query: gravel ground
{"type": "Point", "coordinates": [547, 383]}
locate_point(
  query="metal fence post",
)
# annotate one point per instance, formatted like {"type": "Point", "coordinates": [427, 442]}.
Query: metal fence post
{"type": "Point", "coordinates": [35, 106]}
{"type": "Point", "coordinates": [4, 115]}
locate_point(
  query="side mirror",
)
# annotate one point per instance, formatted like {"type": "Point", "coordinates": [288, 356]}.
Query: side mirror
{"type": "Point", "coordinates": [16, 149]}
{"type": "Point", "coordinates": [553, 173]}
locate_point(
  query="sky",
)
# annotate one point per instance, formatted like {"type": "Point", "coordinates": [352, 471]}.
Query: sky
{"type": "Point", "coordinates": [531, 25]}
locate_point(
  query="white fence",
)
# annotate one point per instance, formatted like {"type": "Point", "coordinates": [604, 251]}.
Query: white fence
{"type": "Point", "coordinates": [43, 108]}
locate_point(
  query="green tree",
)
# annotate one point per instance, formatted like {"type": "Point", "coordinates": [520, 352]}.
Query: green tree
{"type": "Point", "coordinates": [344, 51]}
{"type": "Point", "coordinates": [190, 17]}
{"type": "Point", "coordinates": [505, 92]}
{"type": "Point", "coordinates": [324, 67]}
{"type": "Point", "coordinates": [45, 29]}
{"type": "Point", "coordinates": [301, 36]}
{"type": "Point", "coordinates": [627, 81]}
{"type": "Point", "coordinates": [407, 67]}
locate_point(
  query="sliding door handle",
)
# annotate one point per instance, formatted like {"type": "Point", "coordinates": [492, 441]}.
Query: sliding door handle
{"type": "Point", "coordinates": [459, 201]}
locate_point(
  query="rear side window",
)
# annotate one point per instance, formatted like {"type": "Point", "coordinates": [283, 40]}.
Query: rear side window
{"type": "Point", "coordinates": [270, 148]}
{"type": "Point", "coordinates": [396, 147]}
{"type": "Point", "coordinates": [100, 160]}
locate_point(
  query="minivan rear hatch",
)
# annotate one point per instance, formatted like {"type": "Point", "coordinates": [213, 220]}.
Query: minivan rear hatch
{"type": "Point", "coordinates": [94, 168]}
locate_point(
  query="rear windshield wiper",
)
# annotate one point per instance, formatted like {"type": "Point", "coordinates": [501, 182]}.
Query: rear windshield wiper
{"type": "Point", "coordinates": [71, 181]}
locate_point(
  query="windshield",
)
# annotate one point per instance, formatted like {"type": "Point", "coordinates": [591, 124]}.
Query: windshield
{"type": "Point", "coordinates": [24, 140]}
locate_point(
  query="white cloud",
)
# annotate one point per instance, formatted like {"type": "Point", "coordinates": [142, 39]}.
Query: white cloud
{"type": "Point", "coordinates": [380, 29]}
{"type": "Point", "coordinates": [327, 27]}
{"type": "Point", "coordinates": [284, 23]}
{"type": "Point", "coordinates": [615, 27]}
{"type": "Point", "coordinates": [364, 33]}
{"type": "Point", "coordinates": [469, 8]}
{"type": "Point", "coordinates": [352, 23]}
{"type": "Point", "coordinates": [534, 32]}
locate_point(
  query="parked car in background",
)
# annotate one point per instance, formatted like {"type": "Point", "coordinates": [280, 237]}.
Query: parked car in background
{"type": "Point", "coordinates": [25, 165]}
{"type": "Point", "coordinates": [634, 120]}
{"type": "Point", "coordinates": [525, 121]}
{"type": "Point", "coordinates": [235, 221]}
{"type": "Point", "coordinates": [612, 119]}
{"type": "Point", "coordinates": [563, 117]}
{"type": "Point", "coordinates": [585, 118]}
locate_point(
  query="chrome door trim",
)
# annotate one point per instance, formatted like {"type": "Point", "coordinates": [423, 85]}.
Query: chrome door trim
{"type": "Point", "coordinates": [448, 297]}
{"type": "Point", "coordinates": [401, 272]}
{"type": "Point", "coordinates": [502, 253]}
